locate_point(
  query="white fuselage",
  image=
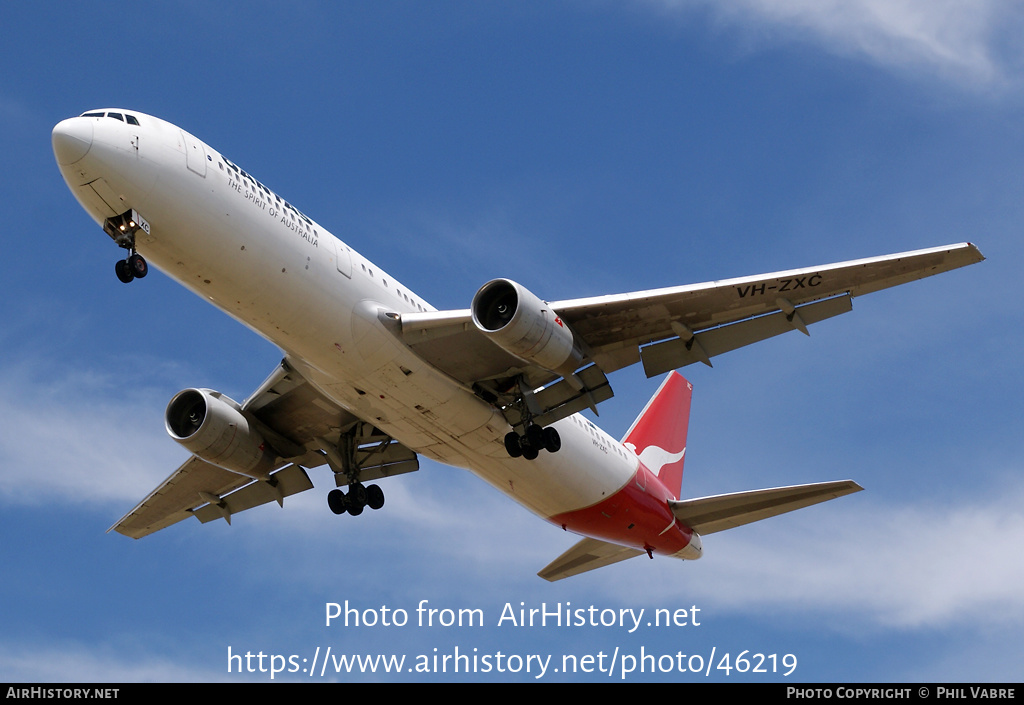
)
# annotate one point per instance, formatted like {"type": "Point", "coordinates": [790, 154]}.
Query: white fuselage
{"type": "Point", "coordinates": [219, 232]}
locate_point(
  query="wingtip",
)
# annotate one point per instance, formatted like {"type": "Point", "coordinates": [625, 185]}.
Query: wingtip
{"type": "Point", "coordinates": [975, 251]}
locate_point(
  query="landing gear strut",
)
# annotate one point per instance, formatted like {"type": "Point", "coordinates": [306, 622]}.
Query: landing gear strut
{"type": "Point", "coordinates": [358, 449]}
{"type": "Point", "coordinates": [122, 229]}
{"type": "Point", "coordinates": [535, 437]}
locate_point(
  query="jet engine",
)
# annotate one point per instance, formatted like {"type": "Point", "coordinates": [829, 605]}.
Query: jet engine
{"type": "Point", "coordinates": [213, 428]}
{"type": "Point", "coordinates": [521, 324]}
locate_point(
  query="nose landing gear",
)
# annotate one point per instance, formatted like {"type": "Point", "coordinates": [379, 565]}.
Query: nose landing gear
{"type": "Point", "coordinates": [122, 230]}
{"type": "Point", "coordinates": [134, 267]}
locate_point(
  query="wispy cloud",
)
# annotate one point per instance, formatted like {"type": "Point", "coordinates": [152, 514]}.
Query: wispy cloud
{"type": "Point", "coordinates": [77, 663]}
{"type": "Point", "coordinates": [78, 436]}
{"type": "Point", "coordinates": [967, 41]}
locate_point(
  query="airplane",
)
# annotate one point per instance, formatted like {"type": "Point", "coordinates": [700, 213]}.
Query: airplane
{"type": "Point", "coordinates": [373, 377]}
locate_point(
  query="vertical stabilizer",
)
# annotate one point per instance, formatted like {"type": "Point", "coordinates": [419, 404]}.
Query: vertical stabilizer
{"type": "Point", "coordinates": [658, 436]}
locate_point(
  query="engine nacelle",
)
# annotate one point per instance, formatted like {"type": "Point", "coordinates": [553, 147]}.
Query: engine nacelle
{"type": "Point", "coordinates": [520, 323]}
{"type": "Point", "coordinates": [217, 432]}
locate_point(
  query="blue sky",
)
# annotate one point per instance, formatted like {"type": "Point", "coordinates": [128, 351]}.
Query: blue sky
{"type": "Point", "coordinates": [581, 149]}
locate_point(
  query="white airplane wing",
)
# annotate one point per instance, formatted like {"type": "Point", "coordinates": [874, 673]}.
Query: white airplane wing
{"type": "Point", "coordinates": [197, 485]}
{"type": "Point", "coordinates": [295, 419]}
{"type": "Point", "coordinates": [670, 328]}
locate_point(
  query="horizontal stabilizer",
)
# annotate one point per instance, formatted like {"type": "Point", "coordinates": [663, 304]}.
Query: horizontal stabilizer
{"type": "Point", "coordinates": [707, 515]}
{"type": "Point", "coordinates": [586, 555]}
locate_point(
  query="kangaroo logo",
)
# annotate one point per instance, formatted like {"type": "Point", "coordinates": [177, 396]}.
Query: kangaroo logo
{"type": "Point", "coordinates": [656, 458]}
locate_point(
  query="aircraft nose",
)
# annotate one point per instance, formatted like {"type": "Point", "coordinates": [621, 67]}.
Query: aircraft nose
{"type": "Point", "coordinates": [72, 139]}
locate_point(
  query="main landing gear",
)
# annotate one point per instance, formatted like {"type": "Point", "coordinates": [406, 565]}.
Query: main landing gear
{"type": "Point", "coordinates": [535, 440]}
{"type": "Point", "coordinates": [519, 408]}
{"type": "Point", "coordinates": [356, 500]}
{"type": "Point", "coordinates": [362, 452]}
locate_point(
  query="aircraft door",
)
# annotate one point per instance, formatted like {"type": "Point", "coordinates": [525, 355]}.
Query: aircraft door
{"type": "Point", "coordinates": [342, 257]}
{"type": "Point", "coordinates": [195, 155]}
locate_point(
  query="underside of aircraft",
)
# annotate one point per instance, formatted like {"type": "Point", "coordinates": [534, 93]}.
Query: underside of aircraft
{"type": "Point", "coordinates": [372, 376]}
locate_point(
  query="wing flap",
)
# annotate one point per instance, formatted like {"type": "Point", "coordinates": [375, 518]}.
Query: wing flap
{"type": "Point", "coordinates": [176, 497]}
{"type": "Point", "coordinates": [377, 456]}
{"type": "Point", "coordinates": [707, 515]}
{"type": "Point", "coordinates": [557, 401]}
{"type": "Point", "coordinates": [284, 483]}
{"type": "Point", "coordinates": [586, 555]}
{"type": "Point", "coordinates": [609, 323]}
{"type": "Point", "coordinates": [673, 354]}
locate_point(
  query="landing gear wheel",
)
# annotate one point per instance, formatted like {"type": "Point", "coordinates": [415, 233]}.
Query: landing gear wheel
{"type": "Point", "coordinates": [123, 271]}
{"type": "Point", "coordinates": [137, 265]}
{"type": "Point", "coordinates": [357, 493]}
{"type": "Point", "coordinates": [530, 453]}
{"type": "Point", "coordinates": [535, 436]}
{"type": "Point", "coordinates": [356, 499]}
{"type": "Point", "coordinates": [552, 441]}
{"type": "Point", "coordinates": [374, 497]}
{"type": "Point", "coordinates": [513, 445]}
{"type": "Point", "coordinates": [336, 501]}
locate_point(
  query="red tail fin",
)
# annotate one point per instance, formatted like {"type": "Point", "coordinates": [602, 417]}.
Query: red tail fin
{"type": "Point", "coordinates": [658, 436]}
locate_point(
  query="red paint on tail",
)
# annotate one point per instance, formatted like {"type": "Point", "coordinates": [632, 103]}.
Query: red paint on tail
{"type": "Point", "coordinates": [658, 436]}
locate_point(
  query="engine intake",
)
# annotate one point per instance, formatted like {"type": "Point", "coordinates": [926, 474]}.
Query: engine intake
{"type": "Point", "coordinates": [523, 325]}
{"type": "Point", "coordinates": [212, 427]}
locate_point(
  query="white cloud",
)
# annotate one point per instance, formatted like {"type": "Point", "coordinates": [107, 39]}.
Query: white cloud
{"type": "Point", "coordinates": [80, 437]}
{"type": "Point", "coordinates": [964, 40]}
{"type": "Point", "coordinates": [93, 664]}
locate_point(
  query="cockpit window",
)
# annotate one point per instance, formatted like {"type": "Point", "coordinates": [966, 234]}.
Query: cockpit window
{"type": "Point", "coordinates": [130, 119]}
